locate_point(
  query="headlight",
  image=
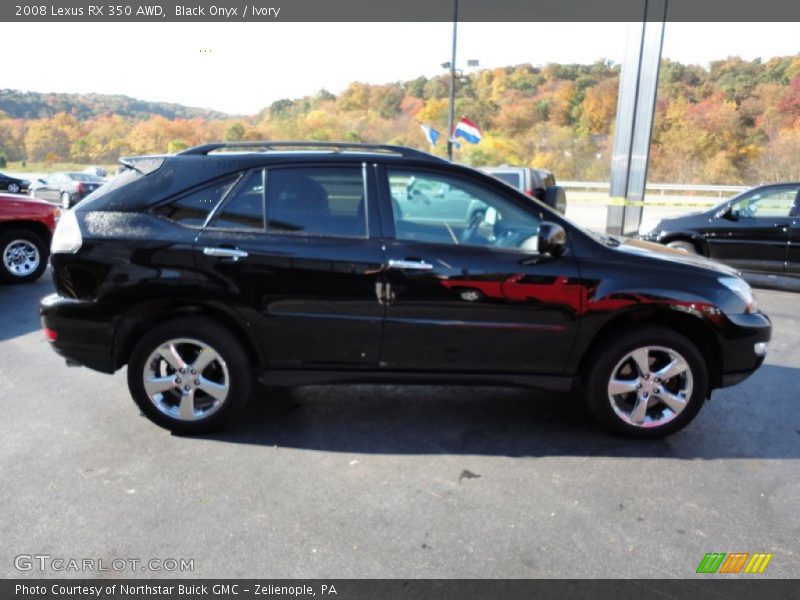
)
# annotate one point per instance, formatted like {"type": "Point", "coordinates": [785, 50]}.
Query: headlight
{"type": "Point", "coordinates": [741, 289]}
{"type": "Point", "coordinates": [67, 238]}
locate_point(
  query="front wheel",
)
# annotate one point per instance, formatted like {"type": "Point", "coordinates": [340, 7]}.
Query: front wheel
{"type": "Point", "coordinates": [24, 256]}
{"type": "Point", "coordinates": [684, 245]}
{"type": "Point", "coordinates": [190, 375]}
{"type": "Point", "coordinates": [13, 188]}
{"type": "Point", "coordinates": [647, 384]}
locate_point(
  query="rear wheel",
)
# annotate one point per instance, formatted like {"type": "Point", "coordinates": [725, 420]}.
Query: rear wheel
{"type": "Point", "coordinates": [24, 256]}
{"type": "Point", "coordinates": [647, 384]}
{"type": "Point", "coordinates": [190, 375]}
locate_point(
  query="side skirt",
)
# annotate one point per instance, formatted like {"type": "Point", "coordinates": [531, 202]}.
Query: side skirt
{"type": "Point", "coordinates": [293, 377]}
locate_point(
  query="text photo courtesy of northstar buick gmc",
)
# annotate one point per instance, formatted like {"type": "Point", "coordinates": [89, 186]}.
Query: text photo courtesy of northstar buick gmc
{"type": "Point", "coordinates": [304, 263]}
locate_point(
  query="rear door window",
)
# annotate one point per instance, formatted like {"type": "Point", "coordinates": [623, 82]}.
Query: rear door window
{"type": "Point", "coordinates": [328, 201]}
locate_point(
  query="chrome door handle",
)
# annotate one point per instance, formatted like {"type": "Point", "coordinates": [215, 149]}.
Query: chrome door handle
{"type": "Point", "coordinates": [414, 265]}
{"type": "Point", "coordinates": [233, 253]}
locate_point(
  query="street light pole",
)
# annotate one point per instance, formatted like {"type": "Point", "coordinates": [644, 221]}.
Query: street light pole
{"type": "Point", "coordinates": [451, 115]}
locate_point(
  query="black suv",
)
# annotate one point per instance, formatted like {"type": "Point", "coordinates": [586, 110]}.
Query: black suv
{"type": "Point", "coordinates": [757, 231]}
{"type": "Point", "coordinates": [298, 263]}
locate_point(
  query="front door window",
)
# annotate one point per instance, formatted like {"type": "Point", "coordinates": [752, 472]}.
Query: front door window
{"type": "Point", "coordinates": [434, 208]}
{"type": "Point", "coordinates": [772, 202]}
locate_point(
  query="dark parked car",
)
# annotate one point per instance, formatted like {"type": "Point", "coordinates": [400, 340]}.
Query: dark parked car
{"type": "Point", "coordinates": [205, 269]}
{"type": "Point", "coordinates": [26, 227]}
{"type": "Point", "coordinates": [67, 189]}
{"type": "Point", "coordinates": [537, 183]}
{"type": "Point", "coordinates": [13, 185]}
{"type": "Point", "coordinates": [757, 231]}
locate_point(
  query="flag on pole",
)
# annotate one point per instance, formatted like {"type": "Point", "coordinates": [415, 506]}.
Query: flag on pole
{"type": "Point", "coordinates": [430, 134]}
{"type": "Point", "coordinates": [467, 130]}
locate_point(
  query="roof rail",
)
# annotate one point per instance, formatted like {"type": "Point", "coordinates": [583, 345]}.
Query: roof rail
{"type": "Point", "coordinates": [333, 146]}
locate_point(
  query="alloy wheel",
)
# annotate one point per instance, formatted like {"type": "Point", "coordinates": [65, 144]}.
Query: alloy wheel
{"type": "Point", "coordinates": [650, 386]}
{"type": "Point", "coordinates": [687, 247]}
{"type": "Point", "coordinates": [186, 379]}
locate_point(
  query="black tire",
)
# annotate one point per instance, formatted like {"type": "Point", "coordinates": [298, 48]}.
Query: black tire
{"type": "Point", "coordinates": [220, 340]}
{"type": "Point", "coordinates": [555, 197]}
{"type": "Point", "coordinates": [8, 238]}
{"type": "Point", "coordinates": [13, 188]}
{"type": "Point", "coordinates": [603, 363]}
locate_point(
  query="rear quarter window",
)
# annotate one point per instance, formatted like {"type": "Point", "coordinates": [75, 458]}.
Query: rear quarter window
{"type": "Point", "coordinates": [194, 208]}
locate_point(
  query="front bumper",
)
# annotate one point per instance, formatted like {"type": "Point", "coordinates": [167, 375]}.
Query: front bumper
{"type": "Point", "coordinates": [742, 346]}
{"type": "Point", "coordinates": [84, 335]}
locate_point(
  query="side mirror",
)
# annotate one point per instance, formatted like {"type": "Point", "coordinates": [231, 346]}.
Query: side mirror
{"type": "Point", "coordinates": [552, 239]}
{"type": "Point", "coordinates": [729, 213]}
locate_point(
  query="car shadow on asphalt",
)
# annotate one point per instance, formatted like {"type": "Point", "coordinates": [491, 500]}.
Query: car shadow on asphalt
{"type": "Point", "coordinates": [756, 419]}
{"type": "Point", "coordinates": [20, 306]}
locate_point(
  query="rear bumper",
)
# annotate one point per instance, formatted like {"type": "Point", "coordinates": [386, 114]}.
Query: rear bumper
{"type": "Point", "coordinates": [739, 341]}
{"type": "Point", "coordinates": [84, 334]}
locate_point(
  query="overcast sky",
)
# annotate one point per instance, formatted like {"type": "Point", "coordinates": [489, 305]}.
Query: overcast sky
{"type": "Point", "coordinates": [242, 67]}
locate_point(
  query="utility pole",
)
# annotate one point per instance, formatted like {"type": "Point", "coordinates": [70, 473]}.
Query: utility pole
{"type": "Point", "coordinates": [451, 114]}
{"type": "Point", "coordinates": [638, 87]}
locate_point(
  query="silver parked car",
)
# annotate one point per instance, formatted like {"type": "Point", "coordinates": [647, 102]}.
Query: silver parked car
{"type": "Point", "coordinates": [538, 183]}
{"type": "Point", "coordinates": [67, 189]}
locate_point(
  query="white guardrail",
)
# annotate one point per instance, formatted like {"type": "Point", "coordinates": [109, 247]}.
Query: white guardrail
{"type": "Point", "coordinates": [660, 188]}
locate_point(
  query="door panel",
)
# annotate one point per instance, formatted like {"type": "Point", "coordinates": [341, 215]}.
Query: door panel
{"type": "Point", "coordinates": [311, 298]}
{"type": "Point", "coordinates": [311, 302]}
{"type": "Point", "coordinates": [466, 289]}
{"type": "Point", "coordinates": [754, 235]}
{"type": "Point", "coordinates": [479, 310]}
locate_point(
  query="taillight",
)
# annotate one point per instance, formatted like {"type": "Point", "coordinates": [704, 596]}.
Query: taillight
{"type": "Point", "coordinates": [81, 188]}
{"type": "Point", "coordinates": [529, 192]}
{"type": "Point", "coordinates": [67, 237]}
{"type": "Point", "coordinates": [50, 334]}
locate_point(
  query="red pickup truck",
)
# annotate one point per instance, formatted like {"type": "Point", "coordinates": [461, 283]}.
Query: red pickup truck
{"type": "Point", "coordinates": [26, 227]}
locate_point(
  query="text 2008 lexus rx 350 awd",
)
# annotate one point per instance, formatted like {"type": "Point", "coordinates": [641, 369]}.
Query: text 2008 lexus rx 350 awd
{"type": "Point", "coordinates": [299, 264]}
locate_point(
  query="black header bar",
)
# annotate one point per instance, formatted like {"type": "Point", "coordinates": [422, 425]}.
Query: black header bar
{"type": "Point", "coordinates": [391, 10]}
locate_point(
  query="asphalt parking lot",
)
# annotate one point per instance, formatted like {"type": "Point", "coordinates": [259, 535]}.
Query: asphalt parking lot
{"type": "Point", "coordinates": [385, 481]}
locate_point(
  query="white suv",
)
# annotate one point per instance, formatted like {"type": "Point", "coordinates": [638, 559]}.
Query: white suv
{"type": "Point", "coordinates": [538, 183]}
